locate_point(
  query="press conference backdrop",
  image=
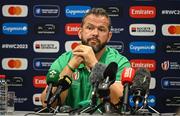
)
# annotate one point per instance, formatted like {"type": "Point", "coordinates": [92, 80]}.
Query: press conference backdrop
{"type": "Point", "coordinates": [35, 32]}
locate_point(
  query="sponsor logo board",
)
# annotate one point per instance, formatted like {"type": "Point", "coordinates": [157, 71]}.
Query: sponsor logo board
{"type": "Point", "coordinates": [142, 12]}
{"type": "Point", "coordinates": [142, 29]}
{"type": "Point", "coordinates": [142, 47]}
{"type": "Point", "coordinates": [170, 83]}
{"type": "Point", "coordinates": [145, 63]}
{"type": "Point", "coordinates": [14, 10]}
{"type": "Point", "coordinates": [46, 46]}
{"type": "Point", "coordinates": [171, 29]}
{"type": "Point", "coordinates": [15, 28]}
{"type": "Point", "coordinates": [76, 11]}
{"type": "Point", "coordinates": [46, 11]}
{"type": "Point", "coordinates": [14, 63]}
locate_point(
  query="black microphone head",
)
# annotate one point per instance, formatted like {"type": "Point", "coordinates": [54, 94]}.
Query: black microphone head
{"type": "Point", "coordinates": [141, 82]}
{"type": "Point", "coordinates": [111, 71]}
{"type": "Point", "coordinates": [65, 82]}
{"type": "Point", "coordinates": [97, 73]}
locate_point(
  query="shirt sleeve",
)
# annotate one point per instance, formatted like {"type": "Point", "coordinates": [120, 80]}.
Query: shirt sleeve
{"type": "Point", "coordinates": [61, 62]}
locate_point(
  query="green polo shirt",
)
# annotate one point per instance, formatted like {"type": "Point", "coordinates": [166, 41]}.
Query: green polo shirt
{"type": "Point", "coordinates": [80, 89]}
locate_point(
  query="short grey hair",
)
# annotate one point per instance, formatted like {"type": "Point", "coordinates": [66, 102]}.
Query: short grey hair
{"type": "Point", "coordinates": [97, 12]}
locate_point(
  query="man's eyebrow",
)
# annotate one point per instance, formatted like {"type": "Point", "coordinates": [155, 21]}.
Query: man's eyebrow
{"type": "Point", "coordinates": [101, 26]}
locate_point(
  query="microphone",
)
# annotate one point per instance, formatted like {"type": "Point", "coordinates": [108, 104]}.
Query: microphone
{"type": "Point", "coordinates": [103, 88]}
{"type": "Point", "coordinates": [127, 80]}
{"type": "Point", "coordinates": [52, 80]}
{"type": "Point", "coordinates": [109, 78]}
{"type": "Point", "coordinates": [96, 77]}
{"type": "Point", "coordinates": [140, 86]}
{"type": "Point", "coordinates": [110, 73]}
{"type": "Point", "coordinates": [63, 84]}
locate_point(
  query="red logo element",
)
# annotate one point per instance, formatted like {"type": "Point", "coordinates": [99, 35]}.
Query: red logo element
{"type": "Point", "coordinates": [15, 10]}
{"type": "Point", "coordinates": [142, 12]}
{"type": "Point", "coordinates": [72, 28]}
{"type": "Point", "coordinates": [149, 64]}
{"type": "Point", "coordinates": [165, 65]}
{"type": "Point", "coordinates": [2, 76]}
{"type": "Point", "coordinates": [14, 63]}
{"type": "Point", "coordinates": [74, 45]}
{"type": "Point", "coordinates": [39, 81]}
{"type": "Point", "coordinates": [75, 75]}
{"type": "Point", "coordinates": [174, 29]}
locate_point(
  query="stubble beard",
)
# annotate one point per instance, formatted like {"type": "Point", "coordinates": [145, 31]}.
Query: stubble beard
{"type": "Point", "coordinates": [96, 47]}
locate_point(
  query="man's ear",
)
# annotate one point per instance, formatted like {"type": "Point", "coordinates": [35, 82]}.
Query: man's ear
{"type": "Point", "coordinates": [79, 32]}
{"type": "Point", "coordinates": [110, 35]}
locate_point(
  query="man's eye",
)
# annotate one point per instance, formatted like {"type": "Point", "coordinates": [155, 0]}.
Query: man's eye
{"type": "Point", "coordinates": [89, 27]}
{"type": "Point", "coordinates": [102, 29]}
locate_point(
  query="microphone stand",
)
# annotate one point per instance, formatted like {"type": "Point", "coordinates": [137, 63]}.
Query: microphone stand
{"type": "Point", "coordinates": [125, 106]}
{"type": "Point", "coordinates": [103, 89]}
{"type": "Point", "coordinates": [49, 108]}
{"type": "Point", "coordinates": [93, 103]}
{"type": "Point", "coordinates": [145, 104]}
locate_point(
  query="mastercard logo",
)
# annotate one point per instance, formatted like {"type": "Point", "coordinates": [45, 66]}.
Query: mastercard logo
{"type": "Point", "coordinates": [174, 29]}
{"type": "Point", "coordinates": [15, 10]}
{"type": "Point", "coordinates": [14, 63]}
{"type": "Point", "coordinates": [171, 29]}
{"type": "Point", "coordinates": [74, 45]}
{"type": "Point", "coordinates": [70, 45]}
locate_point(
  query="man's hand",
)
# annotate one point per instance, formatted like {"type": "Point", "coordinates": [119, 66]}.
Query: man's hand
{"type": "Point", "coordinates": [75, 61]}
{"type": "Point", "coordinates": [87, 53]}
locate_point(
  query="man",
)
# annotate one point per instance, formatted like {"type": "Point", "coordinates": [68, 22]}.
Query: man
{"type": "Point", "coordinates": [94, 34]}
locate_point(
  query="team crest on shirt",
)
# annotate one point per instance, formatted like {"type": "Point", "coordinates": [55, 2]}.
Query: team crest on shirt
{"type": "Point", "coordinates": [75, 75]}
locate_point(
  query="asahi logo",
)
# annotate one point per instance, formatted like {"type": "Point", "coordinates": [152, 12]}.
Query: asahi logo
{"type": "Point", "coordinates": [46, 28]}
{"type": "Point", "coordinates": [114, 11]}
{"type": "Point", "coordinates": [172, 47]}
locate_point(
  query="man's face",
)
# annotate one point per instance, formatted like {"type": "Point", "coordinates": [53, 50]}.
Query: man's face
{"type": "Point", "coordinates": [95, 32]}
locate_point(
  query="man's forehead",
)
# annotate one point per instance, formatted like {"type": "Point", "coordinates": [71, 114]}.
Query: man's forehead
{"type": "Point", "coordinates": [101, 20]}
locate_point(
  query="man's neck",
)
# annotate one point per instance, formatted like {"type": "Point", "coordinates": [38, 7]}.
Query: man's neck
{"type": "Point", "coordinates": [100, 53]}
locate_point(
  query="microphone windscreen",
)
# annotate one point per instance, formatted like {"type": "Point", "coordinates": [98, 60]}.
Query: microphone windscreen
{"type": "Point", "coordinates": [65, 82]}
{"type": "Point", "coordinates": [97, 73]}
{"type": "Point", "coordinates": [127, 75]}
{"type": "Point", "coordinates": [141, 81]}
{"type": "Point", "coordinates": [111, 71]}
{"type": "Point", "coordinates": [52, 77]}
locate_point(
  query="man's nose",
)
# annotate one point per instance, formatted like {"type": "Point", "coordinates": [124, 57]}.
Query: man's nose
{"type": "Point", "coordinates": [95, 32]}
